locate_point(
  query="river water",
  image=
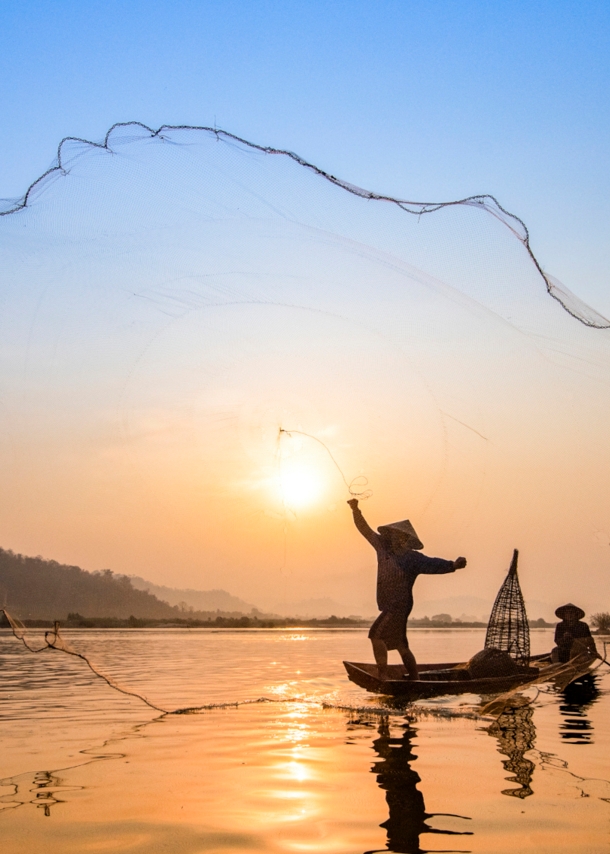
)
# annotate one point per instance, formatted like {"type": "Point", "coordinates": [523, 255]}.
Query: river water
{"type": "Point", "coordinates": [316, 765]}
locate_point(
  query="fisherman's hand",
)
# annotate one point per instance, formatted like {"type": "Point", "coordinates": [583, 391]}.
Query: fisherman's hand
{"type": "Point", "coordinates": [459, 563]}
{"type": "Point", "coordinates": [353, 503]}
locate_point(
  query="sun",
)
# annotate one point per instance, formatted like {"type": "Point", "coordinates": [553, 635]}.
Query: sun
{"type": "Point", "coordinates": [300, 485]}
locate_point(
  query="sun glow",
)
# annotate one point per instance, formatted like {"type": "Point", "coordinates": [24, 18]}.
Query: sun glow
{"type": "Point", "coordinates": [300, 485]}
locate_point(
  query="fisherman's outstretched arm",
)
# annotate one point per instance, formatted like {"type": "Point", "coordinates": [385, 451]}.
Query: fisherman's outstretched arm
{"type": "Point", "coordinates": [363, 526]}
{"type": "Point", "coordinates": [437, 565]}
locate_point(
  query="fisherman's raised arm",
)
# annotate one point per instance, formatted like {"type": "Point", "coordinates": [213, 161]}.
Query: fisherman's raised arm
{"type": "Point", "coordinates": [363, 526]}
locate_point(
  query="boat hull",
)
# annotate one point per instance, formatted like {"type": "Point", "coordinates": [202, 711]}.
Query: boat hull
{"type": "Point", "coordinates": [436, 680]}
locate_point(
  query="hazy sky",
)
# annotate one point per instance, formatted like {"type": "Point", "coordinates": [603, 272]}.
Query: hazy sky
{"type": "Point", "coordinates": [106, 456]}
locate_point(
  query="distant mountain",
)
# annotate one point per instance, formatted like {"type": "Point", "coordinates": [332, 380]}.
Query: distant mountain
{"type": "Point", "coordinates": [34, 588]}
{"type": "Point", "coordinates": [200, 600]}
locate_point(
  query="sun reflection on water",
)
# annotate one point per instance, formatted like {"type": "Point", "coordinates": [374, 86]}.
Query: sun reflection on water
{"type": "Point", "coordinates": [293, 768]}
{"type": "Point", "coordinates": [297, 775]}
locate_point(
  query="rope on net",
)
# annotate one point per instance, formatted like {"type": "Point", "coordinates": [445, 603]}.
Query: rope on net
{"type": "Point", "coordinates": [561, 674]}
{"type": "Point", "coordinates": [482, 201]}
{"type": "Point", "coordinates": [54, 640]}
{"type": "Point", "coordinates": [357, 487]}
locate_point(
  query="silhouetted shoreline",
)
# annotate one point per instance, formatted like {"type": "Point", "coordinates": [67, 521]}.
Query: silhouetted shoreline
{"type": "Point", "coordinates": [38, 591]}
{"type": "Point", "coordinates": [245, 622]}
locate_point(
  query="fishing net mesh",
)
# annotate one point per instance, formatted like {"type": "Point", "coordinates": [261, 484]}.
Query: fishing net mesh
{"type": "Point", "coordinates": [54, 640]}
{"type": "Point", "coordinates": [208, 345]}
{"type": "Point", "coordinates": [508, 627]}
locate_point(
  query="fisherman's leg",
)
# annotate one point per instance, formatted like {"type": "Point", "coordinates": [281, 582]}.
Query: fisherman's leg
{"type": "Point", "coordinates": [408, 659]}
{"type": "Point", "coordinates": [380, 651]}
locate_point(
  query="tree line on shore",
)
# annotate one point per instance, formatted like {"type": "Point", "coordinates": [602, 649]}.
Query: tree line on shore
{"type": "Point", "coordinates": [35, 589]}
{"type": "Point", "coordinates": [39, 591]}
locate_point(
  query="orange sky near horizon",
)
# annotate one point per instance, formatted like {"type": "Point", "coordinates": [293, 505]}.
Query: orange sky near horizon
{"type": "Point", "coordinates": [150, 357]}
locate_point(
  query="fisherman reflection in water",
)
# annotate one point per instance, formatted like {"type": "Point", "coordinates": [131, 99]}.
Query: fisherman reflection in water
{"type": "Point", "coordinates": [516, 733]}
{"type": "Point", "coordinates": [398, 565]}
{"type": "Point", "coordinates": [573, 638]}
{"type": "Point", "coordinates": [408, 816]}
{"type": "Point", "coordinates": [578, 697]}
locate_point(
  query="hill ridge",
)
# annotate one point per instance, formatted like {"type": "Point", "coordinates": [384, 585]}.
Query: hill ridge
{"type": "Point", "coordinates": [38, 588]}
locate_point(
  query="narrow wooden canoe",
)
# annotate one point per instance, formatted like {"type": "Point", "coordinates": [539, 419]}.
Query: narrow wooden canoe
{"type": "Point", "coordinates": [437, 680]}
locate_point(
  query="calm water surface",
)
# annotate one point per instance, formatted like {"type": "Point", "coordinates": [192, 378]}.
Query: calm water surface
{"type": "Point", "coordinates": [325, 767]}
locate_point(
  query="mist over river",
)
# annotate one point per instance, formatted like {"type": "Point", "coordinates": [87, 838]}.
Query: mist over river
{"type": "Point", "coordinates": [302, 761]}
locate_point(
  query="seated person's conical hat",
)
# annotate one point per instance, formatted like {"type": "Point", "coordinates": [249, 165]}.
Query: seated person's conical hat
{"type": "Point", "coordinates": [569, 609]}
{"type": "Point", "coordinates": [405, 527]}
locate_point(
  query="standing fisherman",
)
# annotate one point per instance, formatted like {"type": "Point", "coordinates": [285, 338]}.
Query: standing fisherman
{"type": "Point", "coordinates": [399, 563]}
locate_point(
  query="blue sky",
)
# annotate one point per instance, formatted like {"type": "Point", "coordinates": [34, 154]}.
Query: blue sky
{"type": "Point", "coordinates": [428, 100]}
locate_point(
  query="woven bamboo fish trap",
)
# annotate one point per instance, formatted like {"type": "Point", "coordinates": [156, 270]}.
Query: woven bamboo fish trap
{"type": "Point", "coordinates": [508, 628]}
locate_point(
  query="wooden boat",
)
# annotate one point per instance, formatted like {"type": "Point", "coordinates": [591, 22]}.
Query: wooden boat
{"type": "Point", "coordinates": [436, 680]}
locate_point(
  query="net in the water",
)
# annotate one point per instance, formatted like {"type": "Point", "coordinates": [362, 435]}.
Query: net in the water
{"type": "Point", "coordinates": [508, 627]}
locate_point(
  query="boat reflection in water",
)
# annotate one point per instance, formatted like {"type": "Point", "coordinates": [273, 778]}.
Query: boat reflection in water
{"type": "Point", "coordinates": [408, 817]}
{"type": "Point", "coordinates": [516, 733]}
{"type": "Point", "coordinates": [578, 696]}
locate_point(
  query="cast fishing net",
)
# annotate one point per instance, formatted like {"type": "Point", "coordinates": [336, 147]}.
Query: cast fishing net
{"type": "Point", "coordinates": [182, 311]}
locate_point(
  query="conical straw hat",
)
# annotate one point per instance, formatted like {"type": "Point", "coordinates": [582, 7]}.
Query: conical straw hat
{"type": "Point", "coordinates": [564, 610]}
{"type": "Point", "coordinates": [405, 527]}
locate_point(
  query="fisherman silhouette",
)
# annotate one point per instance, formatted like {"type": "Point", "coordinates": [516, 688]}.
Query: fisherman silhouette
{"type": "Point", "coordinates": [572, 634]}
{"type": "Point", "coordinates": [398, 565]}
{"type": "Point", "coordinates": [408, 816]}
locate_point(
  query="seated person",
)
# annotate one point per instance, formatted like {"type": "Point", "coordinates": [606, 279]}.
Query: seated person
{"type": "Point", "coordinates": [572, 636]}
